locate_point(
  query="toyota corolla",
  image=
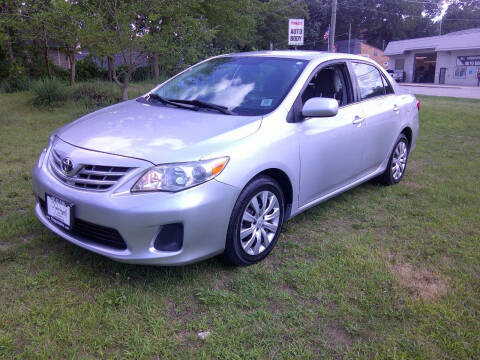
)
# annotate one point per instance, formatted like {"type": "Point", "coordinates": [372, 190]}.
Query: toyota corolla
{"type": "Point", "coordinates": [215, 160]}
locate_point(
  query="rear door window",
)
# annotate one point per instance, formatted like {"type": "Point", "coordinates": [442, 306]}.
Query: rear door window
{"type": "Point", "coordinates": [369, 80]}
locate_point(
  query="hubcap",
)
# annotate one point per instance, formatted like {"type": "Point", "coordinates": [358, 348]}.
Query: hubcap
{"type": "Point", "coordinates": [259, 222]}
{"type": "Point", "coordinates": [399, 160]}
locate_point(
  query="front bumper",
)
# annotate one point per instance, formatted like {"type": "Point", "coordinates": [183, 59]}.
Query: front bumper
{"type": "Point", "coordinates": [203, 210]}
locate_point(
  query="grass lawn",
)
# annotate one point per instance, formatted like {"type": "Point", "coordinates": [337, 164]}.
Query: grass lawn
{"type": "Point", "coordinates": [378, 272]}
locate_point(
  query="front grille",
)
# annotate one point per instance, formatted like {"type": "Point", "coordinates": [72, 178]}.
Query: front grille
{"type": "Point", "coordinates": [99, 234]}
{"type": "Point", "coordinates": [88, 177]}
{"type": "Point", "coordinates": [92, 232]}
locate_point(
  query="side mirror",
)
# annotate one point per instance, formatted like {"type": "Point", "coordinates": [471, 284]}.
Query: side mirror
{"type": "Point", "coordinates": [320, 107]}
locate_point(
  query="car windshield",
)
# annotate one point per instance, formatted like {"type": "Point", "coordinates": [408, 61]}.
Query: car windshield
{"type": "Point", "coordinates": [244, 85]}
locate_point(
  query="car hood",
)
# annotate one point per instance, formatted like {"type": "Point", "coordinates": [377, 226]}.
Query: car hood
{"type": "Point", "coordinates": [156, 133]}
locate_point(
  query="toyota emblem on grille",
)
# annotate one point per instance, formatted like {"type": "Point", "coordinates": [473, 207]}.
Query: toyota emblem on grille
{"type": "Point", "coordinates": [67, 165]}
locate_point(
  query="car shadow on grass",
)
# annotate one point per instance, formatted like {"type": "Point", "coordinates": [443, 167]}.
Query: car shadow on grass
{"type": "Point", "coordinates": [91, 264]}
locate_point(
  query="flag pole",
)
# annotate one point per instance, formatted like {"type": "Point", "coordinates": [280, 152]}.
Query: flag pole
{"type": "Point", "coordinates": [332, 25]}
{"type": "Point", "coordinates": [349, 37]}
{"type": "Point", "coordinates": [328, 43]}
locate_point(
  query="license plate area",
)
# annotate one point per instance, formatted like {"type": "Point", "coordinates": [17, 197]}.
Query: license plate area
{"type": "Point", "coordinates": [59, 211]}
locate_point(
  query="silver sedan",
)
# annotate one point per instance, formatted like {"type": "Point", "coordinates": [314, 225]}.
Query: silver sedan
{"type": "Point", "coordinates": [215, 160]}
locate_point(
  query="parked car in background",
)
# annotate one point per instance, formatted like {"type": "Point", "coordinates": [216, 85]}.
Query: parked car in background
{"type": "Point", "coordinates": [216, 159]}
{"type": "Point", "coordinates": [397, 75]}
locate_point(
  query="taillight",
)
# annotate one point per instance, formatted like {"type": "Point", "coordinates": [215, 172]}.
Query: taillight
{"type": "Point", "coordinates": [418, 105]}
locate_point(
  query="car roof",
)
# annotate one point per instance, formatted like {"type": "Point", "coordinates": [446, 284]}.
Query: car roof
{"type": "Point", "coordinates": [300, 55]}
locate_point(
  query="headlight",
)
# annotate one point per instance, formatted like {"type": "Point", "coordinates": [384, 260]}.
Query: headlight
{"type": "Point", "coordinates": [41, 158]}
{"type": "Point", "coordinates": [180, 176]}
{"type": "Point", "coordinates": [51, 140]}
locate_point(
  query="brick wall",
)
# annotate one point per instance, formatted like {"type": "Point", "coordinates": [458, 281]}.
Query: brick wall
{"type": "Point", "coordinates": [374, 53]}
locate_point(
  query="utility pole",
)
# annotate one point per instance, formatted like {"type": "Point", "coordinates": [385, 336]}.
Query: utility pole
{"type": "Point", "coordinates": [349, 36]}
{"type": "Point", "coordinates": [440, 26]}
{"type": "Point", "coordinates": [331, 40]}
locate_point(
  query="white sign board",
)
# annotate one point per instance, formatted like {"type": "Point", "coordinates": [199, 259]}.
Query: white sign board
{"type": "Point", "coordinates": [295, 31]}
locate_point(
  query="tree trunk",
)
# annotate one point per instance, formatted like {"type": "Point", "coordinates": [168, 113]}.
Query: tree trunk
{"type": "Point", "coordinates": [73, 62]}
{"type": "Point", "coordinates": [10, 53]}
{"type": "Point", "coordinates": [156, 67]}
{"type": "Point", "coordinates": [45, 54]}
{"type": "Point", "coordinates": [123, 85]}
{"type": "Point", "coordinates": [110, 68]}
{"type": "Point", "coordinates": [125, 91]}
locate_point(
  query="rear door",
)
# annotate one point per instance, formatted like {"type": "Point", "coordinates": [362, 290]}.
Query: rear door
{"type": "Point", "coordinates": [382, 114]}
{"type": "Point", "coordinates": [330, 147]}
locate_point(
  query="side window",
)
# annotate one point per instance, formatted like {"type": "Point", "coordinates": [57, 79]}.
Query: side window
{"type": "Point", "coordinates": [387, 86]}
{"type": "Point", "coordinates": [329, 82]}
{"type": "Point", "coordinates": [369, 79]}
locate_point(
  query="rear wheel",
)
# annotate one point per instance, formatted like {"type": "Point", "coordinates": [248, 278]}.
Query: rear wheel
{"type": "Point", "coordinates": [398, 162]}
{"type": "Point", "coordinates": [256, 222]}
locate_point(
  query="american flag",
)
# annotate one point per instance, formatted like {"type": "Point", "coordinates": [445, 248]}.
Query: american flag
{"type": "Point", "coordinates": [327, 33]}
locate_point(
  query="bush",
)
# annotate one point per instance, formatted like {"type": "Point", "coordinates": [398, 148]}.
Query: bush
{"type": "Point", "coordinates": [49, 92]}
{"type": "Point", "coordinates": [60, 73]}
{"type": "Point", "coordinates": [17, 80]}
{"type": "Point", "coordinates": [141, 74]}
{"type": "Point", "coordinates": [96, 94]}
{"type": "Point", "coordinates": [88, 70]}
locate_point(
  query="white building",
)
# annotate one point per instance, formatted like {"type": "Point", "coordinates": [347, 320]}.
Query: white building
{"type": "Point", "coordinates": [453, 58]}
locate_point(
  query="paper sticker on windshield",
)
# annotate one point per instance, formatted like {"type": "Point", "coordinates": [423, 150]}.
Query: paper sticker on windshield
{"type": "Point", "coordinates": [266, 102]}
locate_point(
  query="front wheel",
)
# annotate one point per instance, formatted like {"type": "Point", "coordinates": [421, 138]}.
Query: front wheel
{"type": "Point", "coordinates": [397, 163]}
{"type": "Point", "coordinates": [255, 223]}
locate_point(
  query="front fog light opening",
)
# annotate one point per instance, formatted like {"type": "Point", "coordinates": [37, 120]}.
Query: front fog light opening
{"type": "Point", "coordinates": [169, 238]}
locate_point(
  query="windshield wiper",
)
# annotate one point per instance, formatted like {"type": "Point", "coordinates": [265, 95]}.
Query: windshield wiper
{"type": "Point", "coordinates": [204, 104]}
{"type": "Point", "coordinates": [169, 102]}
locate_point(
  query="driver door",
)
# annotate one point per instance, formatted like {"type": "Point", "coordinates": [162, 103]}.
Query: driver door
{"type": "Point", "coordinates": [330, 147]}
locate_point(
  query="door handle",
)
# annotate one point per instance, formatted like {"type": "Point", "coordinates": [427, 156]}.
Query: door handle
{"type": "Point", "coordinates": [358, 120]}
{"type": "Point", "coordinates": [396, 108]}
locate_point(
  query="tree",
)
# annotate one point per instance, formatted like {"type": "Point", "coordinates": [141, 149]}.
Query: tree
{"type": "Point", "coordinates": [234, 22]}
{"type": "Point", "coordinates": [63, 20]}
{"type": "Point", "coordinates": [272, 21]}
{"type": "Point", "coordinates": [36, 26]}
{"type": "Point", "coordinates": [111, 28]}
{"type": "Point", "coordinates": [176, 36]}
{"type": "Point", "coordinates": [9, 21]}
{"type": "Point", "coordinates": [461, 15]}
{"type": "Point", "coordinates": [133, 30]}
{"type": "Point", "coordinates": [376, 21]}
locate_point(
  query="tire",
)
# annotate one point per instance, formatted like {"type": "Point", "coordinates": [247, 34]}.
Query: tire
{"type": "Point", "coordinates": [398, 158]}
{"type": "Point", "coordinates": [253, 246]}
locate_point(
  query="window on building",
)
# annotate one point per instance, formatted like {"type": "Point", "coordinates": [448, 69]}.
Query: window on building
{"type": "Point", "coordinates": [375, 53]}
{"type": "Point", "coordinates": [369, 80]}
{"type": "Point", "coordinates": [460, 72]}
{"type": "Point", "coordinates": [399, 64]}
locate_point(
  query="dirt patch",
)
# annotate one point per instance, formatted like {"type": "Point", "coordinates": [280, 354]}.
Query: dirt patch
{"type": "Point", "coordinates": [412, 185]}
{"type": "Point", "coordinates": [222, 281]}
{"type": "Point", "coordinates": [338, 335]}
{"type": "Point", "coordinates": [182, 336]}
{"type": "Point", "coordinates": [7, 245]}
{"type": "Point", "coordinates": [421, 283]}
